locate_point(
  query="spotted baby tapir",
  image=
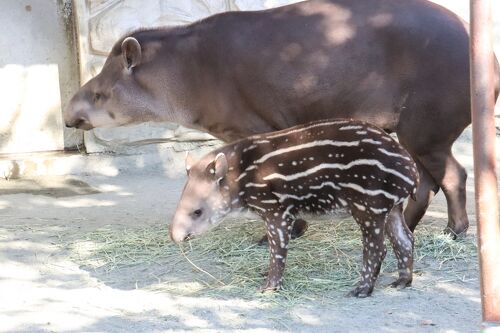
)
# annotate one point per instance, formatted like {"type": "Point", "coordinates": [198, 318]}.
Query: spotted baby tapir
{"type": "Point", "coordinates": [314, 168]}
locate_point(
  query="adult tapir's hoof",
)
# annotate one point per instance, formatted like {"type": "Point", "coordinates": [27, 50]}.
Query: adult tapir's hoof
{"type": "Point", "coordinates": [299, 228]}
{"type": "Point", "coordinates": [456, 232]}
{"type": "Point", "coordinates": [361, 291]}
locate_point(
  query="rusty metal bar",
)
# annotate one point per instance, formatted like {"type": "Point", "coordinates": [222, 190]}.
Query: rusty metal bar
{"type": "Point", "coordinates": [483, 129]}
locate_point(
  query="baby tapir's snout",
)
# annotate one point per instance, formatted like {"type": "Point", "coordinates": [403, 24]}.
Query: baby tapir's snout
{"type": "Point", "coordinates": [204, 200]}
{"type": "Point", "coordinates": [180, 230]}
{"type": "Point", "coordinates": [315, 168]}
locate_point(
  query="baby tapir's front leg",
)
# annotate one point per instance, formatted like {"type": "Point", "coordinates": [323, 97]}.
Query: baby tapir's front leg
{"type": "Point", "coordinates": [298, 229]}
{"type": "Point", "coordinates": [279, 226]}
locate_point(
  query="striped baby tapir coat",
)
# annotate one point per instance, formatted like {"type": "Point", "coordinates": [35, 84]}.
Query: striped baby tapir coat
{"type": "Point", "coordinates": [314, 168]}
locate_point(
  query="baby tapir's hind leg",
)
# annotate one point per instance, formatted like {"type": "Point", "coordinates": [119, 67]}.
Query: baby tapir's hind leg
{"type": "Point", "coordinates": [374, 250]}
{"type": "Point", "coordinates": [402, 243]}
{"type": "Point", "coordinates": [279, 228]}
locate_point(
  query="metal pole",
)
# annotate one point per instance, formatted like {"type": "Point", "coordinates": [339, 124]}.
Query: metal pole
{"type": "Point", "coordinates": [483, 130]}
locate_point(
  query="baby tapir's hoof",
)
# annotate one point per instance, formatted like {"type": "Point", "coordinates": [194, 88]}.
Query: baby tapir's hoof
{"type": "Point", "coordinates": [361, 291]}
{"type": "Point", "coordinates": [270, 287]}
{"type": "Point", "coordinates": [401, 283]}
{"type": "Point", "coordinates": [299, 228]}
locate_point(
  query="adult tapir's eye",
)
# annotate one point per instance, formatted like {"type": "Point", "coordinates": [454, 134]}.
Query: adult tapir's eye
{"type": "Point", "coordinates": [197, 213]}
{"type": "Point", "coordinates": [97, 97]}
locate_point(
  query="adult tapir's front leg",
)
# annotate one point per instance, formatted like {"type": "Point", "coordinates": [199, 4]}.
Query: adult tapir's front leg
{"type": "Point", "coordinates": [279, 228]}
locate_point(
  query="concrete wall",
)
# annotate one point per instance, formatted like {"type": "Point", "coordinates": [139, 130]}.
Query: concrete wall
{"type": "Point", "coordinates": [38, 74]}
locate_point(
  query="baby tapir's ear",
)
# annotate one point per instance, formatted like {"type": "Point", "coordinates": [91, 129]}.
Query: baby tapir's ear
{"type": "Point", "coordinates": [218, 168]}
{"type": "Point", "coordinates": [189, 162]}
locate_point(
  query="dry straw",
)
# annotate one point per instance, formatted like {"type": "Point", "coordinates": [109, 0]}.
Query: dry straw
{"type": "Point", "coordinates": [227, 262]}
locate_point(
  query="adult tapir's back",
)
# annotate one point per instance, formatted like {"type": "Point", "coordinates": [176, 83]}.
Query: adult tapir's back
{"type": "Point", "coordinates": [402, 65]}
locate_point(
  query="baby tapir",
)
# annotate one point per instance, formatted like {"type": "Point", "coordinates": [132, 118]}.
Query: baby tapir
{"type": "Point", "coordinates": [312, 168]}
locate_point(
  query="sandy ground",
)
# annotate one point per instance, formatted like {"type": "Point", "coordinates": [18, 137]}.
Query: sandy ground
{"type": "Point", "coordinates": [43, 290]}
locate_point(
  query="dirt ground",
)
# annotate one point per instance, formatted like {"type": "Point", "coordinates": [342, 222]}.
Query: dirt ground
{"type": "Point", "coordinates": [44, 289]}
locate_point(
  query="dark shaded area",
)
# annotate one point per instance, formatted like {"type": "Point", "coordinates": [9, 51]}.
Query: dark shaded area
{"type": "Point", "coordinates": [57, 188]}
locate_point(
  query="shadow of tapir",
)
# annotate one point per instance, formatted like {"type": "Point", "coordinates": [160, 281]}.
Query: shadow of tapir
{"type": "Point", "coordinates": [314, 168]}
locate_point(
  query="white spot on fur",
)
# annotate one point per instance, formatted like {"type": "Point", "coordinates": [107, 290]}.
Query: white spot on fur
{"type": "Point", "coordinates": [378, 211]}
{"type": "Point", "coordinates": [350, 127]}
{"type": "Point", "coordinates": [270, 201]}
{"type": "Point", "coordinates": [256, 207]}
{"type": "Point", "coordinates": [360, 207]}
{"type": "Point", "coordinates": [282, 196]}
{"type": "Point", "coordinates": [255, 185]}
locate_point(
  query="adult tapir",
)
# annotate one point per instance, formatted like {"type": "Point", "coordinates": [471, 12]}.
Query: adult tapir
{"type": "Point", "coordinates": [402, 65]}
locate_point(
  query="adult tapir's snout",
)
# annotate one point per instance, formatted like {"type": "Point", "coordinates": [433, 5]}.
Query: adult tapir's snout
{"type": "Point", "coordinates": [79, 121]}
{"type": "Point", "coordinates": [76, 113]}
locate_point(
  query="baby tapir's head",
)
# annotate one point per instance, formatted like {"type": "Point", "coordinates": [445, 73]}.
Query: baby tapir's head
{"type": "Point", "coordinates": [204, 200]}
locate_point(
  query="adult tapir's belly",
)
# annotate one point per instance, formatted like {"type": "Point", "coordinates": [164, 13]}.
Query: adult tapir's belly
{"type": "Point", "coordinates": [400, 65]}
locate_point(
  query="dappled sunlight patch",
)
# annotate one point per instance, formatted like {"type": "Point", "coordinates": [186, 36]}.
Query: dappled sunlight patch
{"type": "Point", "coordinates": [109, 188]}
{"type": "Point", "coordinates": [227, 263]}
{"type": "Point", "coordinates": [12, 270]}
{"type": "Point", "coordinates": [84, 202]}
{"type": "Point", "coordinates": [437, 214]}
{"type": "Point", "coordinates": [70, 203]}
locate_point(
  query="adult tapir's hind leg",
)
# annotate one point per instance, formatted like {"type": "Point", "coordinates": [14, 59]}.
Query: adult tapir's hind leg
{"type": "Point", "coordinates": [451, 177]}
{"type": "Point", "coordinates": [402, 243]}
{"type": "Point", "coordinates": [427, 188]}
{"type": "Point", "coordinates": [432, 148]}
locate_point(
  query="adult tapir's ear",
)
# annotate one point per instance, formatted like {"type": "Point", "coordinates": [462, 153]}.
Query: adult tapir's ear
{"type": "Point", "coordinates": [218, 168]}
{"type": "Point", "coordinates": [131, 52]}
{"type": "Point", "coordinates": [189, 162]}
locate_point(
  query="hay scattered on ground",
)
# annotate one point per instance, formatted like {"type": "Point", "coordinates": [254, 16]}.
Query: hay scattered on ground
{"type": "Point", "coordinates": [228, 262]}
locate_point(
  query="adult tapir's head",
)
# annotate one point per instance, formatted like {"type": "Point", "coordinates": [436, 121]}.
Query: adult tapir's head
{"type": "Point", "coordinates": [204, 201]}
{"type": "Point", "coordinates": [134, 84]}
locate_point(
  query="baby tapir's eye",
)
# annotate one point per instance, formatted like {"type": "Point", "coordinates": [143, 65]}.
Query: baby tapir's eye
{"type": "Point", "coordinates": [197, 213]}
